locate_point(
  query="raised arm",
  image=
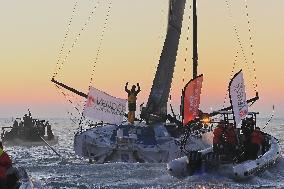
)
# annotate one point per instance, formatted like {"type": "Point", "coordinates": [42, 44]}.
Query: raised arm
{"type": "Point", "coordinates": [139, 89]}
{"type": "Point", "coordinates": [126, 89]}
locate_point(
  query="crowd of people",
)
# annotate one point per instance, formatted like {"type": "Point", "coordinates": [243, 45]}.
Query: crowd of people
{"type": "Point", "coordinates": [29, 129]}
{"type": "Point", "coordinates": [239, 144]}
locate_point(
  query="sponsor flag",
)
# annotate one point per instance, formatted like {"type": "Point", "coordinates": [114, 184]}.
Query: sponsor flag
{"type": "Point", "coordinates": [238, 97]}
{"type": "Point", "coordinates": [104, 107]}
{"type": "Point", "coordinates": [191, 99]}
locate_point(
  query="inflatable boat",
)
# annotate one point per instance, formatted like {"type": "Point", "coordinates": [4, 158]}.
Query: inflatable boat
{"type": "Point", "coordinates": [208, 161]}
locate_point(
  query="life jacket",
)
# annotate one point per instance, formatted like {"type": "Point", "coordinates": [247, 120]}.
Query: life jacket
{"type": "Point", "coordinates": [257, 137]}
{"type": "Point", "coordinates": [218, 132]}
{"type": "Point", "coordinates": [230, 136]}
{"type": "Point", "coordinates": [5, 163]}
{"type": "Point", "coordinates": [132, 98]}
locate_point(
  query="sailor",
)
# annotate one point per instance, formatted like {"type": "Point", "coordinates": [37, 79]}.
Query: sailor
{"type": "Point", "coordinates": [5, 164]}
{"type": "Point", "coordinates": [230, 140]}
{"type": "Point", "coordinates": [49, 131]}
{"type": "Point", "coordinates": [247, 129]}
{"type": "Point", "coordinates": [132, 97]}
{"type": "Point", "coordinates": [218, 137]}
{"type": "Point", "coordinates": [256, 141]}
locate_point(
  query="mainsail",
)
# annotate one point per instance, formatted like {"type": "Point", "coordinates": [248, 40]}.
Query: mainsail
{"type": "Point", "coordinates": [191, 99]}
{"type": "Point", "coordinates": [158, 98]}
{"type": "Point", "coordinates": [238, 97]}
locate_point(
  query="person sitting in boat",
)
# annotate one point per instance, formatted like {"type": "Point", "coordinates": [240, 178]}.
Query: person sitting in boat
{"type": "Point", "coordinates": [256, 141]}
{"type": "Point", "coordinates": [247, 129]}
{"type": "Point", "coordinates": [15, 128]}
{"type": "Point", "coordinates": [230, 140]}
{"type": "Point", "coordinates": [5, 164]}
{"type": "Point", "coordinates": [132, 97]}
{"type": "Point", "coordinates": [218, 138]}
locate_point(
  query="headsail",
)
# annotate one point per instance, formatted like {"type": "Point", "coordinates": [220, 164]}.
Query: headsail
{"type": "Point", "coordinates": [101, 106]}
{"type": "Point", "coordinates": [191, 99]}
{"type": "Point", "coordinates": [238, 97]}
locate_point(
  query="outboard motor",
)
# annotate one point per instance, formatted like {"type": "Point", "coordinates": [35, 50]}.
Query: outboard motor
{"type": "Point", "coordinates": [186, 165]}
{"type": "Point", "coordinates": [178, 167]}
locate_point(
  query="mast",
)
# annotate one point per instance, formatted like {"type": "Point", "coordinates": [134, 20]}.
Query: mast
{"type": "Point", "coordinates": [158, 98]}
{"type": "Point", "coordinates": [195, 48]}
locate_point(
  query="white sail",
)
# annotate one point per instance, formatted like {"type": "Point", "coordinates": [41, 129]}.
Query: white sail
{"type": "Point", "coordinates": [238, 97]}
{"type": "Point", "coordinates": [104, 107]}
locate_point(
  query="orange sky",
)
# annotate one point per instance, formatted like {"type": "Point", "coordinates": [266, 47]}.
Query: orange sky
{"type": "Point", "coordinates": [32, 33]}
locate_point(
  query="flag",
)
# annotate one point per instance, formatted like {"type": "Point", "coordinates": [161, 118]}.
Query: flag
{"type": "Point", "coordinates": [104, 107]}
{"type": "Point", "coordinates": [191, 99]}
{"type": "Point", "coordinates": [238, 97]}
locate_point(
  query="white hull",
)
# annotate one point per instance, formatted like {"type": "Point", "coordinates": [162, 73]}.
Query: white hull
{"type": "Point", "coordinates": [180, 167]}
{"type": "Point", "coordinates": [108, 143]}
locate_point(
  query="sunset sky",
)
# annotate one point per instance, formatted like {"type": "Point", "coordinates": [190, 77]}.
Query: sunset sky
{"type": "Point", "coordinates": [32, 33]}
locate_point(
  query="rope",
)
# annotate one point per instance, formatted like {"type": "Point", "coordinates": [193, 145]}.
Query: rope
{"type": "Point", "coordinates": [231, 76]}
{"type": "Point", "coordinates": [65, 38]}
{"type": "Point", "coordinates": [186, 48]}
{"type": "Point", "coordinates": [185, 58]}
{"type": "Point", "coordinates": [83, 28]}
{"type": "Point", "coordinates": [100, 43]}
{"type": "Point", "coordinates": [236, 31]}
{"type": "Point", "coordinates": [72, 117]}
{"type": "Point", "coordinates": [251, 45]}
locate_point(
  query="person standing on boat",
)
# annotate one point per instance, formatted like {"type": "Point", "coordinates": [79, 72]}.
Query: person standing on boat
{"type": "Point", "coordinates": [132, 97]}
{"type": "Point", "coordinates": [5, 164]}
{"type": "Point", "coordinates": [49, 132]}
{"type": "Point", "coordinates": [257, 140]}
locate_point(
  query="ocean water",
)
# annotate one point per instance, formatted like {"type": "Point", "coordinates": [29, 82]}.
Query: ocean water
{"type": "Point", "coordinates": [75, 173]}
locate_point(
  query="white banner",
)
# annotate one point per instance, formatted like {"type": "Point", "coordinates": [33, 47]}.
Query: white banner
{"type": "Point", "coordinates": [238, 97]}
{"type": "Point", "coordinates": [103, 107]}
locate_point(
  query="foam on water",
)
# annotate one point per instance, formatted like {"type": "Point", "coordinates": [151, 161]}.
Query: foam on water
{"type": "Point", "coordinates": [75, 173]}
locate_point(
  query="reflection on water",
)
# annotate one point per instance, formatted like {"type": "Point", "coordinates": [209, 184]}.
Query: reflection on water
{"type": "Point", "coordinates": [73, 172]}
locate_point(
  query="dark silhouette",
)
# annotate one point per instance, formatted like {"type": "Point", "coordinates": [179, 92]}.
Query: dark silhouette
{"type": "Point", "coordinates": [132, 97]}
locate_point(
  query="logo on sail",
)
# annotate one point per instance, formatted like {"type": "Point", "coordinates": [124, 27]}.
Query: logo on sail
{"type": "Point", "coordinates": [238, 97]}
{"type": "Point", "coordinates": [104, 107]}
{"type": "Point", "coordinates": [191, 99]}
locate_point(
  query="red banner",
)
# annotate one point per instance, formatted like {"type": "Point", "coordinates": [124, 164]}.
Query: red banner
{"type": "Point", "coordinates": [191, 99]}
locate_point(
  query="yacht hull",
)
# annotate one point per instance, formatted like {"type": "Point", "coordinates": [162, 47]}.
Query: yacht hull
{"type": "Point", "coordinates": [128, 143]}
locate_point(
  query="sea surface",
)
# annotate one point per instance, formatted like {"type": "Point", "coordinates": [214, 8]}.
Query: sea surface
{"type": "Point", "coordinates": [75, 173]}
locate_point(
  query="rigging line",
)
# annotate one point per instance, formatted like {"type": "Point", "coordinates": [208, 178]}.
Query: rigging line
{"type": "Point", "coordinates": [83, 28]}
{"type": "Point", "coordinates": [100, 42]}
{"type": "Point", "coordinates": [231, 76]}
{"type": "Point", "coordinates": [68, 112]}
{"type": "Point", "coordinates": [186, 48]}
{"type": "Point", "coordinates": [82, 117]}
{"type": "Point", "coordinates": [67, 99]}
{"type": "Point", "coordinates": [236, 31]}
{"type": "Point", "coordinates": [186, 52]}
{"type": "Point", "coordinates": [251, 44]}
{"type": "Point", "coordinates": [65, 37]}
{"type": "Point", "coordinates": [272, 115]}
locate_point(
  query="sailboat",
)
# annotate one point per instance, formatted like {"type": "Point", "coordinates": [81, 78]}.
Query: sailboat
{"type": "Point", "coordinates": [242, 160]}
{"type": "Point", "coordinates": [156, 137]}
